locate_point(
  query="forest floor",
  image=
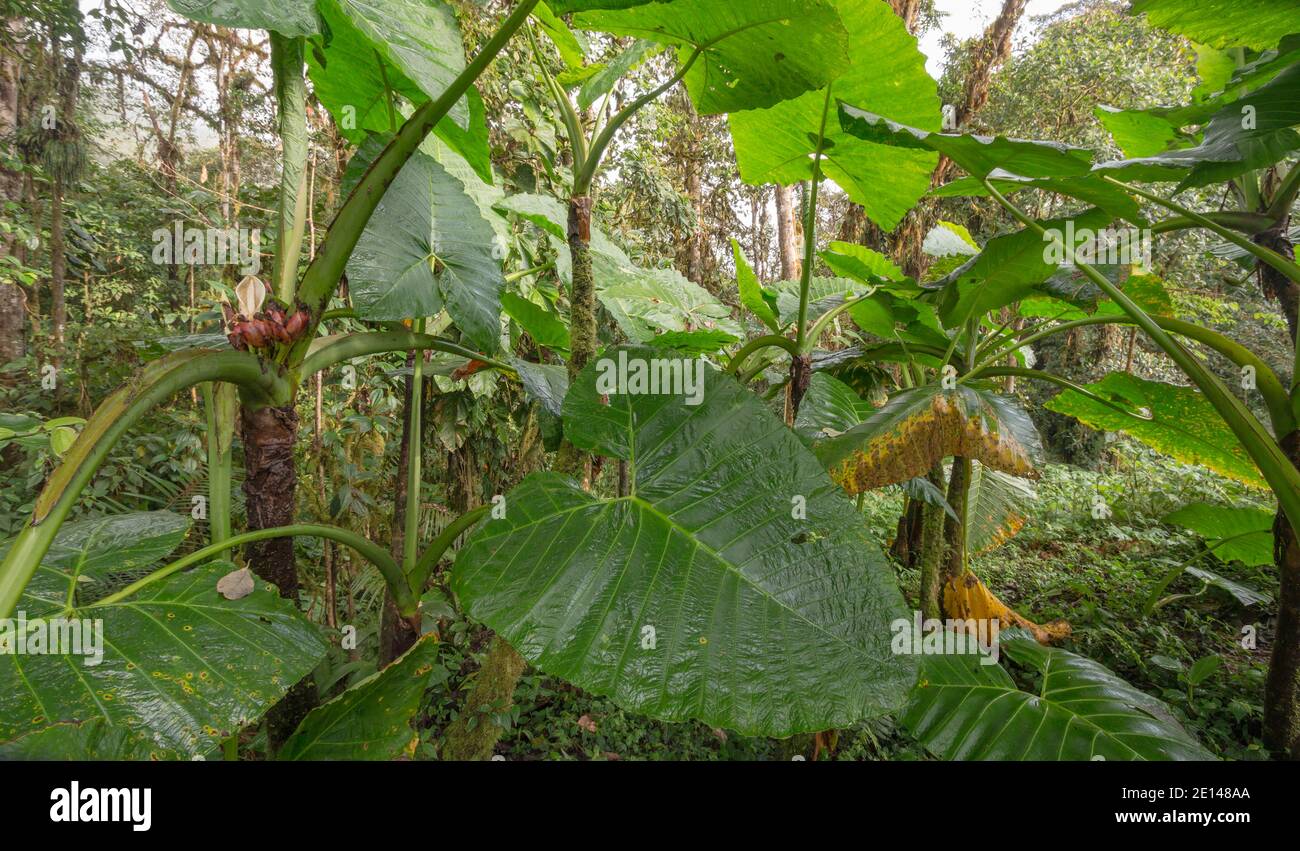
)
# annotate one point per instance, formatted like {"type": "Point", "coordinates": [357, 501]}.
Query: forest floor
{"type": "Point", "coordinates": [1095, 573]}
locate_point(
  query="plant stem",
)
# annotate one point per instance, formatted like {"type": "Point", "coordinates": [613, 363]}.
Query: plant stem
{"type": "Point", "coordinates": [373, 553]}
{"type": "Point", "coordinates": [1281, 475]}
{"type": "Point", "coordinates": [410, 542]}
{"type": "Point", "coordinates": [419, 575]}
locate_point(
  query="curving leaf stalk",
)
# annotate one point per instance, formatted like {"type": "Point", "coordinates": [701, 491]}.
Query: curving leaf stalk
{"type": "Point", "coordinates": [260, 382]}
{"type": "Point", "coordinates": [1281, 475]}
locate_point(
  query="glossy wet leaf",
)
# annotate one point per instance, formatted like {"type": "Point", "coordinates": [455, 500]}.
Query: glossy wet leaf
{"type": "Point", "coordinates": [977, 155]}
{"type": "Point", "coordinates": [1183, 424]}
{"type": "Point", "coordinates": [999, 505]}
{"type": "Point", "coordinates": [830, 407]}
{"type": "Point", "coordinates": [1258, 24]}
{"type": "Point", "coordinates": [918, 428]}
{"type": "Point", "coordinates": [372, 719]}
{"type": "Point", "coordinates": [181, 666]}
{"type": "Point", "coordinates": [545, 327]}
{"type": "Point", "coordinates": [700, 595]}
{"type": "Point", "coordinates": [964, 710]}
{"type": "Point", "coordinates": [427, 247]}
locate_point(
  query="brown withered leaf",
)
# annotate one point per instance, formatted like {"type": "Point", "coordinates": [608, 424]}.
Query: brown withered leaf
{"type": "Point", "coordinates": [918, 428]}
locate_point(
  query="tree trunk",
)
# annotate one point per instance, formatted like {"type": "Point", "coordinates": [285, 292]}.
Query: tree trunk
{"type": "Point", "coordinates": [787, 236]}
{"type": "Point", "coordinates": [13, 301]}
{"type": "Point", "coordinates": [582, 322]}
{"type": "Point", "coordinates": [1282, 689]}
{"type": "Point", "coordinates": [270, 485]}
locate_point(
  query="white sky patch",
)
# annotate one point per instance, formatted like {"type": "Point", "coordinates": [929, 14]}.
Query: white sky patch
{"type": "Point", "coordinates": [968, 19]}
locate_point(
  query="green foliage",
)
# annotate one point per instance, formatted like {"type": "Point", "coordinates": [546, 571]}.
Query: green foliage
{"type": "Point", "coordinates": [705, 538]}
{"type": "Point", "coordinates": [372, 719]}
{"type": "Point", "coordinates": [776, 145]}
{"type": "Point", "coordinates": [1172, 419]}
{"type": "Point", "coordinates": [1243, 534]}
{"type": "Point", "coordinates": [1079, 711]}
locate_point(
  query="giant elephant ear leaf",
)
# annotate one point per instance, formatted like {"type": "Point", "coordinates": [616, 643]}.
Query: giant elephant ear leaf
{"type": "Point", "coordinates": [977, 155]}
{"type": "Point", "coordinates": [1257, 24]}
{"type": "Point", "coordinates": [777, 144]}
{"type": "Point", "coordinates": [1182, 423]}
{"type": "Point", "coordinates": [918, 428]}
{"type": "Point", "coordinates": [372, 719]}
{"type": "Point", "coordinates": [753, 53]}
{"type": "Point", "coordinates": [734, 584]}
{"type": "Point", "coordinates": [1241, 534]}
{"type": "Point", "coordinates": [1009, 268]}
{"type": "Point", "coordinates": [964, 709]}
{"type": "Point", "coordinates": [286, 17]}
{"type": "Point", "coordinates": [1252, 132]}
{"type": "Point", "coordinates": [360, 74]}
{"type": "Point", "coordinates": [182, 667]}
{"type": "Point", "coordinates": [428, 246]}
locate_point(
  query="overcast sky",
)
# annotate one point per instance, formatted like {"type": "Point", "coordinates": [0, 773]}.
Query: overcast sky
{"type": "Point", "coordinates": [967, 18]}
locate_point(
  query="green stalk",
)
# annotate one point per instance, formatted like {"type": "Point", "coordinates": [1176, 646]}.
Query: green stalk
{"type": "Point", "coordinates": [291, 106]}
{"type": "Point", "coordinates": [331, 259]}
{"type": "Point", "coordinates": [1264, 255]}
{"type": "Point", "coordinates": [121, 410]}
{"type": "Point", "coordinates": [769, 341]}
{"type": "Point", "coordinates": [415, 453]}
{"type": "Point", "coordinates": [810, 231]}
{"type": "Point", "coordinates": [345, 348]}
{"type": "Point", "coordinates": [1281, 475]}
{"type": "Point", "coordinates": [1275, 397]}
{"type": "Point", "coordinates": [219, 401]}
{"type": "Point", "coordinates": [419, 575]}
{"type": "Point", "coordinates": [1280, 207]}
{"type": "Point", "coordinates": [586, 173]}
{"type": "Point", "coordinates": [368, 550]}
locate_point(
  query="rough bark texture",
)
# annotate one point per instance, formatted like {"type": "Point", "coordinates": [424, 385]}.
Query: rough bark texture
{"type": "Point", "coordinates": [1282, 690]}
{"type": "Point", "coordinates": [1275, 285]}
{"type": "Point", "coordinates": [787, 235]}
{"type": "Point", "coordinates": [270, 484]}
{"type": "Point", "coordinates": [582, 322]}
{"type": "Point", "coordinates": [908, 11]}
{"type": "Point", "coordinates": [13, 301]}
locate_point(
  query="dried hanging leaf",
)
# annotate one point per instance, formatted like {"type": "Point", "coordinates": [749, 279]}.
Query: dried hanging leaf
{"type": "Point", "coordinates": [919, 428]}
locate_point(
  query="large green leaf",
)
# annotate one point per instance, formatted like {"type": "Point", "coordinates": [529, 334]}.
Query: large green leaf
{"type": "Point", "coordinates": [703, 593]}
{"type": "Point", "coordinates": [94, 740]}
{"type": "Point", "coordinates": [1232, 534]}
{"type": "Point", "coordinates": [998, 505]}
{"type": "Point", "coordinates": [918, 428]}
{"type": "Point", "coordinates": [355, 80]}
{"type": "Point", "coordinates": [1258, 24]}
{"type": "Point", "coordinates": [287, 17]}
{"type": "Point", "coordinates": [756, 53]}
{"type": "Point", "coordinates": [1009, 268]}
{"type": "Point", "coordinates": [91, 549]}
{"type": "Point", "coordinates": [752, 293]}
{"type": "Point", "coordinates": [652, 301]}
{"type": "Point", "coordinates": [1182, 424]}
{"type": "Point", "coordinates": [965, 710]}
{"type": "Point", "coordinates": [182, 667]}
{"type": "Point", "coordinates": [885, 74]}
{"type": "Point", "coordinates": [978, 155]}
{"type": "Point", "coordinates": [1251, 132]}
{"type": "Point", "coordinates": [371, 720]}
{"type": "Point", "coordinates": [420, 38]}
{"type": "Point", "coordinates": [546, 328]}
{"type": "Point", "coordinates": [428, 246]}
